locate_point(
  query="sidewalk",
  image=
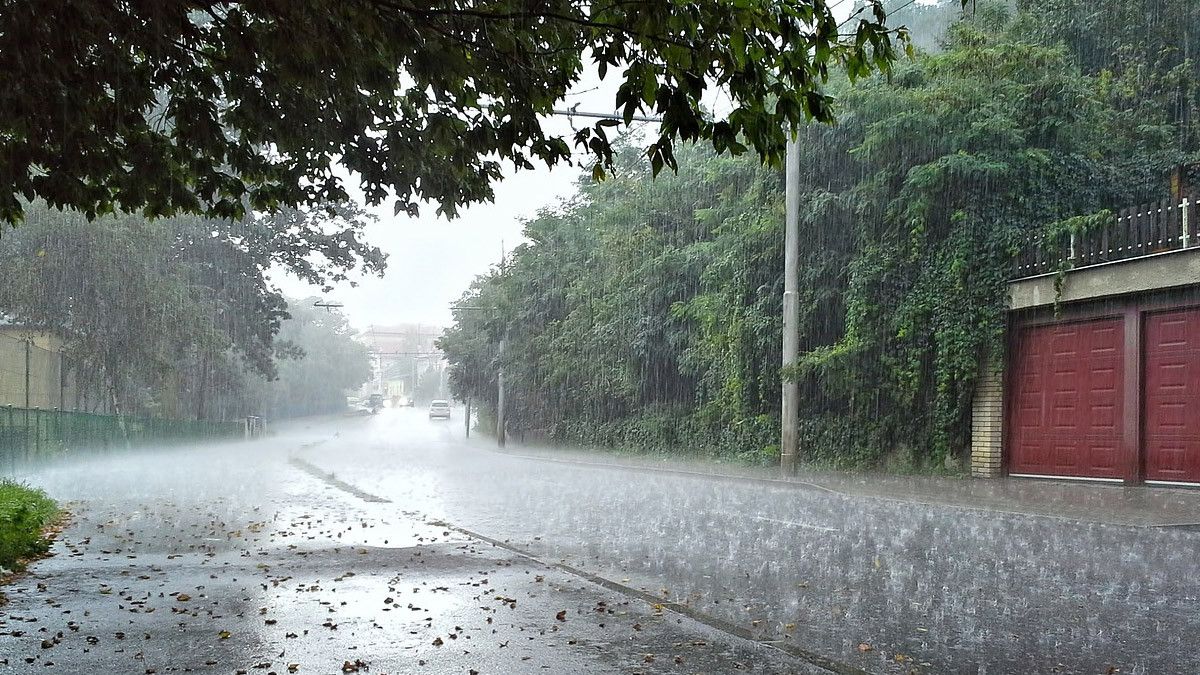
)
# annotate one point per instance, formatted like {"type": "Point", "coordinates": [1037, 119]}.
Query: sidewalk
{"type": "Point", "coordinates": [1085, 501]}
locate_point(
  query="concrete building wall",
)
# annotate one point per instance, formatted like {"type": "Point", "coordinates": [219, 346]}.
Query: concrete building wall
{"type": "Point", "coordinates": [1126, 277]}
{"type": "Point", "coordinates": [12, 371]}
{"type": "Point", "coordinates": [45, 373]}
{"type": "Point", "coordinates": [45, 378]}
{"type": "Point", "coordinates": [48, 386]}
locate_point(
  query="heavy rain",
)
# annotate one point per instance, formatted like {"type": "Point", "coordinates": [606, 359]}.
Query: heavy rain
{"type": "Point", "coordinates": [550, 336]}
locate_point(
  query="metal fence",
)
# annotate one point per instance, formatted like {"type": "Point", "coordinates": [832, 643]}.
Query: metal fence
{"type": "Point", "coordinates": [1158, 227]}
{"type": "Point", "coordinates": [30, 434]}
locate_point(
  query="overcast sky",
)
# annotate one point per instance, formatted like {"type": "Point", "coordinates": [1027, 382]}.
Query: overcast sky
{"type": "Point", "coordinates": [431, 261]}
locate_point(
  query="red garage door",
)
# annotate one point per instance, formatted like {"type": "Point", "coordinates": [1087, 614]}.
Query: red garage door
{"type": "Point", "coordinates": [1172, 429]}
{"type": "Point", "coordinates": [1066, 411]}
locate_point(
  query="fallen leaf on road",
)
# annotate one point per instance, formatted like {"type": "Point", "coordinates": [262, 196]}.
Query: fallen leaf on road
{"type": "Point", "coordinates": [561, 616]}
{"type": "Point", "coordinates": [864, 647]}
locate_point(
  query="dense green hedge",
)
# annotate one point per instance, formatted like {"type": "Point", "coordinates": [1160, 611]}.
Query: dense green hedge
{"type": "Point", "coordinates": [677, 431]}
{"type": "Point", "coordinates": [25, 512]}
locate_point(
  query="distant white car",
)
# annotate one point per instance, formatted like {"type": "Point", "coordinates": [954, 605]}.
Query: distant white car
{"type": "Point", "coordinates": [439, 410]}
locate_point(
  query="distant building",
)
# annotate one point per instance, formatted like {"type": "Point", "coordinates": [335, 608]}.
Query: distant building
{"type": "Point", "coordinates": [35, 371]}
{"type": "Point", "coordinates": [402, 355]}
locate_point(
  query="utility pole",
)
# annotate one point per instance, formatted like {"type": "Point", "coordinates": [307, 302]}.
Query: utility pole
{"type": "Point", "coordinates": [790, 420]}
{"type": "Point", "coordinates": [28, 347]}
{"type": "Point", "coordinates": [62, 381]}
{"type": "Point", "coordinates": [500, 426]}
{"type": "Point", "coordinates": [415, 367]}
{"type": "Point", "coordinates": [500, 398]}
{"type": "Point", "coordinates": [413, 393]}
{"type": "Point", "coordinates": [467, 416]}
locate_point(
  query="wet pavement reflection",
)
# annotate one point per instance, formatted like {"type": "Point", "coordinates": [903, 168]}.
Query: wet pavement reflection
{"type": "Point", "coordinates": [230, 559]}
{"type": "Point", "coordinates": [884, 584]}
{"type": "Point", "coordinates": [347, 543]}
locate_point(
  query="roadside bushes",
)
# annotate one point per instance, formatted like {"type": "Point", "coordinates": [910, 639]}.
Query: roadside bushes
{"type": "Point", "coordinates": [24, 514]}
{"type": "Point", "coordinates": [673, 431]}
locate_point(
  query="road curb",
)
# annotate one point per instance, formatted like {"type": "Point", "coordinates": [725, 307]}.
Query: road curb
{"type": "Point", "coordinates": [757, 480]}
{"type": "Point", "coordinates": [800, 484]}
{"type": "Point", "coordinates": [330, 479]}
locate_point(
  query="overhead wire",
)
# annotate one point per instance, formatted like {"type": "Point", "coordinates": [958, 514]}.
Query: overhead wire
{"type": "Point", "coordinates": [858, 11]}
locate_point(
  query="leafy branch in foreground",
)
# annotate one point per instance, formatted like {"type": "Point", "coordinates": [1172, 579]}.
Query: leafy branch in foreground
{"type": "Point", "coordinates": [216, 107]}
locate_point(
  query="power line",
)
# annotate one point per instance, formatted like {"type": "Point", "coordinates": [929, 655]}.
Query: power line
{"type": "Point", "coordinates": [329, 306]}
{"type": "Point", "coordinates": [860, 10]}
{"type": "Point", "coordinates": [572, 112]}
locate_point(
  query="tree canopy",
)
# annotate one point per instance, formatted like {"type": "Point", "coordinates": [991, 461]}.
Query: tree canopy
{"type": "Point", "coordinates": [216, 106]}
{"type": "Point", "coordinates": [172, 316]}
{"type": "Point", "coordinates": [320, 362]}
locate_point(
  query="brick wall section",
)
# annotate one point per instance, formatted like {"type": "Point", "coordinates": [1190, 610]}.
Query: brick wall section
{"type": "Point", "coordinates": [987, 422]}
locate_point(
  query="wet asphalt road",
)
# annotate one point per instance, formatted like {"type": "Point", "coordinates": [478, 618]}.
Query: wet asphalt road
{"type": "Point", "coordinates": [233, 560]}
{"type": "Point", "coordinates": [269, 539]}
